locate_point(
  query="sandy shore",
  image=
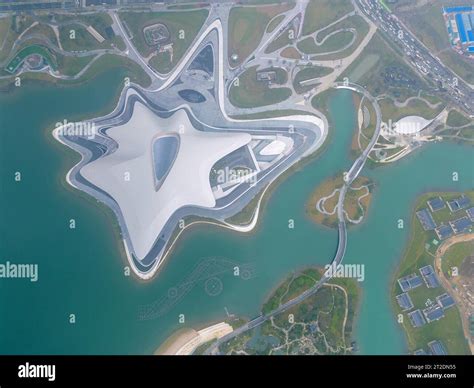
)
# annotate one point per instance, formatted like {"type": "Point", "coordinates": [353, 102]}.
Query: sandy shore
{"type": "Point", "coordinates": [186, 341]}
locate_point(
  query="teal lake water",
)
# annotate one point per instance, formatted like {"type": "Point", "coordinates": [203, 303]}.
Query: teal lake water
{"type": "Point", "coordinates": [81, 270]}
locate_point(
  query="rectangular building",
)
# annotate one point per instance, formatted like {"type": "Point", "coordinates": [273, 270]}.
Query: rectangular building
{"type": "Point", "coordinates": [404, 301]}
{"type": "Point", "coordinates": [416, 318]}
{"type": "Point", "coordinates": [429, 276]}
{"type": "Point", "coordinates": [437, 348]}
{"type": "Point", "coordinates": [426, 219]}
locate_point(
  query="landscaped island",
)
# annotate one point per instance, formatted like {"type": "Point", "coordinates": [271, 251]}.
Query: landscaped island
{"type": "Point", "coordinates": [321, 324]}
{"type": "Point", "coordinates": [322, 204]}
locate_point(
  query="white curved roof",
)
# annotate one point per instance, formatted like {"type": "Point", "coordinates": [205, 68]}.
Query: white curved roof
{"type": "Point", "coordinates": [274, 148]}
{"type": "Point", "coordinates": [411, 124]}
{"type": "Point", "coordinates": [145, 210]}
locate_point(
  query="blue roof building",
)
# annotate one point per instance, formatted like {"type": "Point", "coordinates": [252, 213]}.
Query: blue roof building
{"type": "Point", "coordinates": [404, 301]}
{"type": "Point", "coordinates": [426, 219]}
{"type": "Point", "coordinates": [436, 204]}
{"type": "Point", "coordinates": [437, 348]}
{"type": "Point", "coordinates": [409, 282]}
{"type": "Point", "coordinates": [445, 301]}
{"type": "Point", "coordinates": [433, 313]}
{"type": "Point", "coordinates": [429, 276]}
{"type": "Point", "coordinates": [461, 224]}
{"type": "Point", "coordinates": [416, 318]}
{"type": "Point", "coordinates": [444, 231]}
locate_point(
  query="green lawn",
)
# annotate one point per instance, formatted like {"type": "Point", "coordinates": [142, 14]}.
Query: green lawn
{"type": "Point", "coordinates": [333, 43]}
{"type": "Point", "coordinates": [103, 64]}
{"type": "Point", "coordinates": [246, 28]}
{"type": "Point", "coordinates": [339, 39]}
{"type": "Point", "coordinates": [320, 13]}
{"type": "Point", "coordinates": [457, 119]}
{"type": "Point", "coordinates": [455, 255]}
{"type": "Point", "coordinates": [371, 75]}
{"type": "Point", "coordinates": [275, 22]}
{"type": "Point", "coordinates": [12, 27]}
{"type": "Point", "coordinates": [282, 40]}
{"type": "Point", "coordinates": [72, 65]}
{"type": "Point", "coordinates": [189, 22]}
{"type": "Point", "coordinates": [291, 288]}
{"type": "Point", "coordinates": [309, 73]}
{"type": "Point", "coordinates": [82, 39]}
{"type": "Point", "coordinates": [251, 93]}
{"type": "Point", "coordinates": [415, 107]}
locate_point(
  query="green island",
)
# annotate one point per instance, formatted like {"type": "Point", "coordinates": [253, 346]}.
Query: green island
{"type": "Point", "coordinates": [322, 204]}
{"type": "Point", "coordinates": [431, 248]}
{"type": "Point", "coordinates": [321, 324]}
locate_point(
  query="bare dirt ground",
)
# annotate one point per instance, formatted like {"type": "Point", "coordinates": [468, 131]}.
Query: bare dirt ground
{"type": "Point", "coordinates": [448, 284]}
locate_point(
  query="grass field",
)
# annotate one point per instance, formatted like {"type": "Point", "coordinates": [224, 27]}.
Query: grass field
{"type": "Point", "coordinates": [251, 93]}
{"type": "Point", "coordinates": [333, 43]}
{"type": "Point", "coordinates": [309, 73]}
{"type": "Point", "coordinates": [72, 65]}
{"type": "Point", "coordinates": [320, 13]}
{"type": "Point", "coordinates": [457, 119]}
{"type": "Point", "coordinates": [415, 107]}
{"type": "Point", "coordinates": [282, 40]}
{"type": "Point", "coordinates": [44, 30]}
{"type": "Point", "coordinates": [103, 64]}
{"type": "Point", "coordinates": [82, 40]}
{"type": "Point", "coordinates": [336, 39]}
{"type": "Point", "coordinates": [246, 28]}
{"type": "Point", "coordinates": [372, 77]}
{"type": "Point", "coordinates": [290, 53]}
{"type": "Point", "coordinates": [362, 29]}
{"type": "Point", "coordinates": [12, 27]}
{"type": "Point", "coordinates": [274, 23]}
{"type": "Point", "coordinates": [448, 329]}
{"type": "Point", "coordinates": [100, 21]}
{"type": "Point", "coordinates": [5, 24]}
{"type": "Point", "coordinates": [455, 256]}
{"type": "Point", "coordinates": [188, 21]}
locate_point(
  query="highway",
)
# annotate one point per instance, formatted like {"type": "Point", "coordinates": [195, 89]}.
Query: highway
{"type": "Point", "coordinates": [419, 57]}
